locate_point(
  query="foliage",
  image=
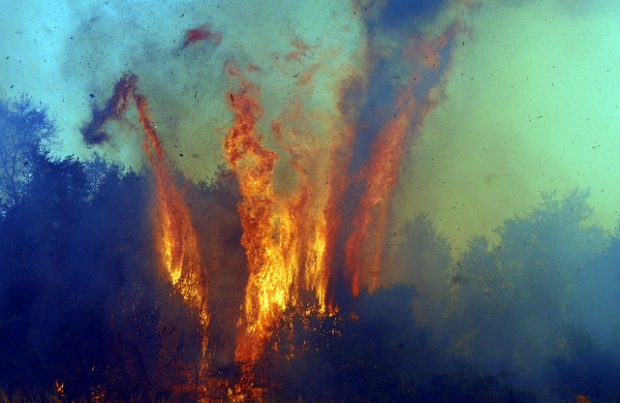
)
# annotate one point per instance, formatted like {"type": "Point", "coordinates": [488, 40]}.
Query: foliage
{"type": "Point", "coordinates": [82, 301]}
{"type": "Point", "coordinates": [24, 130]}
{"type": "Point", "coordinates": [375, 353]}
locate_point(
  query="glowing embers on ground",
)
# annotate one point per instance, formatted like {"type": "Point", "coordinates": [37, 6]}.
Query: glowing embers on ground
{"type": "Point", "coordinates": [175, 235]}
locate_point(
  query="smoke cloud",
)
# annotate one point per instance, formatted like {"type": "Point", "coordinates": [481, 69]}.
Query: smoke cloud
{"type": "Point", "coordinates": [412, 199]}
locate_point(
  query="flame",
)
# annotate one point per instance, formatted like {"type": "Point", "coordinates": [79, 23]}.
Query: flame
{"type": "Point", "coordinates": [266, 227]}
{"type": "Point", "coordinates": [292, 237]}
{"type": "Point", "coordinates": [60, 388]}
{"type": "Point", "coordinates": [289, 236]}
{"type": "Point", "coordinates": [306, 203]}
{"type": "Point", "coordinates": [366, 242]}
{"type": "Point", "coordinates": [176, 237]}
{"type": "Point", "coordinates": [284, 235]}
{"type": "Point", "coordinates": [581, 399]}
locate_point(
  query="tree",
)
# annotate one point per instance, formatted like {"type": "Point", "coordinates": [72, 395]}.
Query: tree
{"type": "Point", "coordinates": [424, 261]}
{"type": "Point", "coordinates": [25, 130]}
{"type": "Point", "coordinates": [517, 299]}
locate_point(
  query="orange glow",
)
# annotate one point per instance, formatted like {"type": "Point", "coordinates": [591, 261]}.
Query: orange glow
{"type": "Point", "coordinates": [366, 243]}
{"type": "Point", "coordinates": [284, 235]}
{"type": "Point", "coordinates": [581, 399]}
{"type": "Point", "coordinates": [175, 235]}
{"type": "Point", "coordinates": [292, 208]}
{"type": "Point", "coordinates": [179, 242]}
{"type": "Point", "coordinates": [291, 228]}
{"type": "Point", "coordinates": [266, 228]}
{"type": "Point", "coordinates": [60, 388]}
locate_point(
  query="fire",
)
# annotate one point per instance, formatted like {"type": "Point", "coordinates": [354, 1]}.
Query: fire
{"type": "Point", "coordinates": [366, 243]}
{"type": "Point", "coordinates": [581, 399]}
{"type": "Point", "coordinates": [60, 388]}
{"type": "Point", "coordinates": [266, 227]}
{"type": "Point", "coordinates": [290, 236]}
{"type": "Point", "coordinates": [284, 235]}
{"type": "Point", "coordinates": [176, 237]}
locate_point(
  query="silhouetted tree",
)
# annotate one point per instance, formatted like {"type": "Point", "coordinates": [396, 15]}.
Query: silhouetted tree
{"type": "Point", "coordinates": [24, 130]}
{"type": "Point", "coordinates": [82, 300]}
{"type": "Point", "coordinates": [517, 299]}
{"type": "Point", "coordinates": [378, 353]}
{"type": "Point", "coordinates": [424, 261]}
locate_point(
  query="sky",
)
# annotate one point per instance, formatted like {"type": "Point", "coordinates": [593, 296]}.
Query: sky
{"type": "Point", "coordinates": [529, 105]}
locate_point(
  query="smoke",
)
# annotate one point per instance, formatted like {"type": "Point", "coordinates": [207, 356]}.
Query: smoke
{"type": "Point", "coordinates": [301, 151]}
{"type": "Point", "coordinates": [84, 48]}
{"type": "Point", "coordinates": [529, 107]}
{"type": "Point", "coordinates": [187, 83]}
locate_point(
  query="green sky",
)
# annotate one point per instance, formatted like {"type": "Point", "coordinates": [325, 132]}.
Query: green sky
{"type": "Point", "coordinates": [532, 105]}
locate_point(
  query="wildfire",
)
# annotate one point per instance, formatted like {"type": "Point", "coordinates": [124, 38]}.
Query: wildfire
{"type": "Point", "coordinates": [266, 226]}
{"type": "Point", "coordinates": [290, 237]}
{"type": "Point", "coordinates": [176, 237]}
{"type": "Point", "coordinates": [366, 243]}
{"type": "Point", "coordinates": [284, 235]}
{"type": "Point", "coordinates": [60, 388]}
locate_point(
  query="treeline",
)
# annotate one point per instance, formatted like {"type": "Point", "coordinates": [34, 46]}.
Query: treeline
{"type": "Point", "coordinates": [85, 311]}
{"type": "Point", "coordinates": [84, 305]}
{"type": "Point", "coordinates": [538, 306]}
{"type": "Point", "coordinates": [532, 317]}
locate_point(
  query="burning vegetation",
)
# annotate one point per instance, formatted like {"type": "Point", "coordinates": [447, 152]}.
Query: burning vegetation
{"type": "Point", "coordinates": [176, 238]}
{"type": "Point", "coordinates": [292, 249]}
{"type": "Point", "coordinates": [259, 288]}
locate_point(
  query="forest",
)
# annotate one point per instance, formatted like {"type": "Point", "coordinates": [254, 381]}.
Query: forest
{"type": "Point", "coordinates": [85, 315]}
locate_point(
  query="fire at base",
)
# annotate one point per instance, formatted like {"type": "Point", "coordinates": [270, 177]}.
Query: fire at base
{"type": "Point", "coordinates": [306, 245]}
{"type": "Point", "coordinates": [174, 232]}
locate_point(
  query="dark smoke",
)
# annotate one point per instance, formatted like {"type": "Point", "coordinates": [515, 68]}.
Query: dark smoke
{"type": "Point", "coordinates": [531, 317]}
{"type": "Point", "coordinates": [94, 131]}
{"type": "Point", "coordinates": [82, 303]}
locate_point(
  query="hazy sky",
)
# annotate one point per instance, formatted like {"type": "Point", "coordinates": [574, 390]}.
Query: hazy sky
{"type": "Point", "coordinates": [531, 102]}
{"type": "Point", "coordinates": [532, 105]}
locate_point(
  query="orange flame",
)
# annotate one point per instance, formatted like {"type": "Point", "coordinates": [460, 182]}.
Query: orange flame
{"type": "Point", "coordinates": [365, 244]}
{"type": "Point", "coordinates": [266, 231]}
{"type": "Point", "coordinates": [60, 388]}
{"type": "Point", "coordinates": [289, 236]}
{"type": "Point", "coordinates": [283, 235]}
{"type": "Point", "coordinates": [176, 237]}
